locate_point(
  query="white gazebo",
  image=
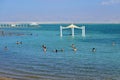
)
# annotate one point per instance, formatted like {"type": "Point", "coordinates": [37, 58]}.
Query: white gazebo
{"type": "Point", "coordinates": [72, 26]}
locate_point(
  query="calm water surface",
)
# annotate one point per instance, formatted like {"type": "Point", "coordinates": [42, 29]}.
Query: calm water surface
{"type": "Point", "coordinates": [27, 61]}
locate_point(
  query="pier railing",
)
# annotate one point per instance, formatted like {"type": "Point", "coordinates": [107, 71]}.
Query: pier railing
{"type": "Point", "coordinates": [17, 25]}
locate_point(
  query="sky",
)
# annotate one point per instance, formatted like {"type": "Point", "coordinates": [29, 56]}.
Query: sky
{"type": "Point", "coordinates": [60, 11]}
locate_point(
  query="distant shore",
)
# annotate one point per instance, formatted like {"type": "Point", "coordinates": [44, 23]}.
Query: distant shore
{"type": "Point", "coordinates": [55, 22]}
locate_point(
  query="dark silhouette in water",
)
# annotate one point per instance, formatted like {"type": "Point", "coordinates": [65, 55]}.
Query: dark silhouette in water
{"type": "Point", "coordinates": [44, 48]}
{"type": "Point", "coordinates": [73, 46]}
{"type": "Point", "coordinates": [93, 50]}
{"type": "Point", "coordinates": [2, 33]}
{"type": "Point", "coordinates": [56, 50]}
{"type": "Point", "coordinates": [74, 49]}
{"type": "Point", "coordinates": [60, 50]}
{"type": "Point", "coordinates": [5, 48]}
{"type": "Point", "coordinates": [19, 42]}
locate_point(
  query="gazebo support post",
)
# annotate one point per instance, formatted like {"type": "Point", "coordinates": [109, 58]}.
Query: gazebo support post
{"type": "Point", "coordinates": [72, 31]}
{"type": "Point", "coordinates": [83, 31]}
{"type": "Point", "coordinates": [60, 31]}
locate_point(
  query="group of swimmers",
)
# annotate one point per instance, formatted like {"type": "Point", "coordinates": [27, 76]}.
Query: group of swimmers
{"type": "Point", "coordinates": [73, 48]}
{"type": "Point", "coordinates": [18, 42]}
{"type": "Point", "coordinates": [62, 50]}
{"type": "Point", "coordinates": [57, 50]}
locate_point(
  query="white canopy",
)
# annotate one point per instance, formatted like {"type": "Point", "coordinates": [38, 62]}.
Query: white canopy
{"type": "Point", "coordinates": [72, 26]}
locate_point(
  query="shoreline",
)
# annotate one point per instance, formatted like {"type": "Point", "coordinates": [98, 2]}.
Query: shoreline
{"type": "Point", "coordinates": [6, 78]}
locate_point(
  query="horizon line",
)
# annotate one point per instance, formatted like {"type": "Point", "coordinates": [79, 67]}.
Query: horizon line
{"type": "Point", "coordinates": [55, 22]}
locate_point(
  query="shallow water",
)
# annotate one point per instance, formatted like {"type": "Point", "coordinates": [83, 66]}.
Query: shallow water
{"type": "Point", "coordinates": [27, 61]}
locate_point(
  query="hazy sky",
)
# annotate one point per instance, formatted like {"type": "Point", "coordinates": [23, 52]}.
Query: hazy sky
{"type": "Point", "coordinates": [60, 10]}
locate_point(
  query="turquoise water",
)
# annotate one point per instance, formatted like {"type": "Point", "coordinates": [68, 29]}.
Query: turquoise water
{"type": "Point", "coordinates": [28, 61]}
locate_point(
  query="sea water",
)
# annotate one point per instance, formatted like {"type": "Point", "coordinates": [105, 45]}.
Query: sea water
{"type": "Point", "coordinates": [28, 61]}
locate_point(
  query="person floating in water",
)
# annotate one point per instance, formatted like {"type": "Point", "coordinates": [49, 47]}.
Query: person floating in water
{"type": "Point", "coordinates": [74, 49]}
{"type": "Point", "coordinates": [60, 50]}
{"type": "Point", "coordinates": [93, 50]}
{"type": "Point", "coordinates": [5, 48]}
{"type": "Point", "coordinates": [73, 46]}
{"type": "Point", "coordinates": [2, 33]}
{"type": "Point", "coordinates": [44, 48]}
{"type": "Point", "coordinates": [113, 43]}
{"type": "Point", "coordinates": [55, 50]}
{"type": "Point", "coordinates": [19, 42]}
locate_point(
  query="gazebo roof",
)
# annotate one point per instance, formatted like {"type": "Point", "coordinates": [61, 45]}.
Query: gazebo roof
{"type": "Point", "coordinates": [72, 26]}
